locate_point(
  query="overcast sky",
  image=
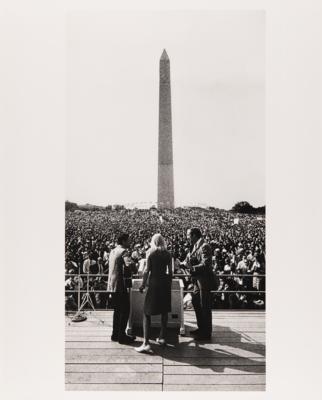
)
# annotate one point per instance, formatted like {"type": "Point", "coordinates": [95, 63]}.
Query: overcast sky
{"type": "Point", "coordinates": [217, 62]}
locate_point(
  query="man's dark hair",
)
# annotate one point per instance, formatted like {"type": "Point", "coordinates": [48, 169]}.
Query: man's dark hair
{"type": "Point", "coordinates": [123, 237]}
{"type": "Point", "coordinates": [195, 232]}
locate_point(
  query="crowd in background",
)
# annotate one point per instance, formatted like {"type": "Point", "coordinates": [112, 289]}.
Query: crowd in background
{"type": "Point", "coordinates": [237, 242]}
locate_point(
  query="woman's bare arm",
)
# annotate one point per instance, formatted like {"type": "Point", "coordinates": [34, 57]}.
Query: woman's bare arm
{"type": "Point", "coordinates": [146, 273]}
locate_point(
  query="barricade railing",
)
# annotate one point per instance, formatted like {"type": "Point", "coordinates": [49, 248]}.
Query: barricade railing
{"type": "Point", "coordinates": [89, 289]}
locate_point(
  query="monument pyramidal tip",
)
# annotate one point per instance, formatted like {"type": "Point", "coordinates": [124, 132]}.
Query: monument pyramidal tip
{"type": "Point", "coordinates": [165, 158]}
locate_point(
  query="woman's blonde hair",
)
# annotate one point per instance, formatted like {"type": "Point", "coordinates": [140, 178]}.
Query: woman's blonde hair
{"type": "Point", "coordinates": [158, 242]}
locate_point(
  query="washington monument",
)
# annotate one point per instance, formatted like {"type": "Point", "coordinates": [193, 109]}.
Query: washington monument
{"type": "Point", "coordinates": [165, 161]}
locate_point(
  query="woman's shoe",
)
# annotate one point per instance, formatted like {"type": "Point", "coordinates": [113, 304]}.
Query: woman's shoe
{"type": "Point", "coordinates": [145, 348]}
{"type": "Point", "coordinates": [161, 342]}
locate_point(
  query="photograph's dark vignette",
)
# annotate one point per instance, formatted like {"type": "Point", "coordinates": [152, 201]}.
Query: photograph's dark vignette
{"type": "Point", "coordinates": [202, 269]}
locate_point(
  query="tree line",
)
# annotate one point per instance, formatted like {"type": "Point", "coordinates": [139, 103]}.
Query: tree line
{"type": "Point", "coordinates": [242, 207]}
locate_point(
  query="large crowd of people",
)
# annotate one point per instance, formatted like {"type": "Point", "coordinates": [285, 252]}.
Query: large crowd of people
{"type": "Point", "coordinates": [237, 242]}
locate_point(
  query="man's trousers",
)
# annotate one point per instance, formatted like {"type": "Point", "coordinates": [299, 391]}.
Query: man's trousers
{"type": "Point", "coordinates": [201, 301]}
{"type": "Point", "coordinates": [121, 314]}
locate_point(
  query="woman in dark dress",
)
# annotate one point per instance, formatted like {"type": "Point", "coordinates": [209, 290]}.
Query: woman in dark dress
{"type": "Point", "coordinates": [158, 274]}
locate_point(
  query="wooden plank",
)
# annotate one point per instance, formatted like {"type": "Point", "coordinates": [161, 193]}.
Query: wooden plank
{"type": "Point", "coordinates": [124, 368]}
{"type": "Point", "coordinates": [102, 377]}
{"type": "Point", "coordinates": [106, 331]}
{"type": "Point", "coordinates": [113, 387]}
{"type": "Point", "coordinates": [88, 329]}
{"type": "Point", "coordinates": [213, 350]}
{"type": "Point", "coordinates": [190, 320]}
{"type": "Point", "coordinates": [217, 350]}
{"type": "Point", "coordinates": [91, 322]}
{"type": "Point", "coordinates": [214, 344]}
{"type": "Point", "coordinates": [231, 322]}
{"type": "Point", "coordinates": [245, 329]}
{"type": "Point", "coordinates": [124, 351]}
{"type": "Point", "coordinates": [105, 335]}
{"type": "Point", "coordinates": [215, 329]}
{"type": "Point", "coordinates": [93, 319]}
{"type": "Point", "coordinates": [215, 361]}
{"type": "Point", "coordinates": [108, 314]}
{"type": "Point", "coordinates": [190, 349]}
{"type": "Point", "coordinates": [258, 379]}
{"type": "Point", "coordinates": [86, 338]}
{"type": "Point", "coordinates": [239, 322]}
{"type": "Point", "coordinates": [221, 388]}
{"type": "Point", "coordinates": [224, 338]}
{"type": "Point", "coordinates": [88, 324]}
{"type": "Point", "coordinates": [225, 352]}
{"type": "Point", "coordinates": [124, 358]}
{"type": "Point", "coordinates": [171, 336]}
{"type": "Point", "coordinates": [231, 316]}
{"type": "Point", "coordinates": [100, 344]}
{"type": "Point", "coordinates": [218, 331]}
{"type": "Point", "coordinates": [234, 360]}
{"type": "Point", "coordinates": [223, 330]}
{"type": "Point", "coordinates": [231, 337]}
{"type": "Point", "coordinates": [231, 325]}
{"type": "Point", "coordinates": [213, 370]}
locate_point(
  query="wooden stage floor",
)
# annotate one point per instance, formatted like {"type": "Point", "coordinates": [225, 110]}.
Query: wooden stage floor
{"type": "Point", "coordinates": [234, 360]}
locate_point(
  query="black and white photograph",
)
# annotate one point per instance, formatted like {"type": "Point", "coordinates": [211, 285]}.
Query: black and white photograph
{"type": "Point", "coordinates": [160, 219]}
{"type": "Point", "coordinates": [165, 257]}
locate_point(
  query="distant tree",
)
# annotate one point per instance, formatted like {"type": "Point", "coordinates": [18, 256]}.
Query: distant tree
{"type": "Point", "coordinates": [90, 207]}
{"type": "Point", "coordinates": [243, 207]}
{"type": "Point", "coordinates": [69, 206]}
{"type": "Point", "coordinates": [118, 207]}
{"type": "Point", "coordinates": [261, 210]}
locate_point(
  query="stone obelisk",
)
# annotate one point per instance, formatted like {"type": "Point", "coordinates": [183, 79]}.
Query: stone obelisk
{"type": "Point", "coordinates": [165, 162]}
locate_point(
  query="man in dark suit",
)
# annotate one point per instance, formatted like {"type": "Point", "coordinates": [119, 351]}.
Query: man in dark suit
{"type": "Point", "coordinates": [199, 261]}
{"type": "Point", "coordinates": [119, 280]}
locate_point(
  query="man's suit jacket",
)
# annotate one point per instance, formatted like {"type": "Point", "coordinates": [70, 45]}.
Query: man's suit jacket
{"type": "Point", "coordinates": [201, 265]}
{"type": "Point", "coordinates": [119, 275]}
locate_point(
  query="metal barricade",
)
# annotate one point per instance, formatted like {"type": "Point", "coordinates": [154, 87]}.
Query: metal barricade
{"type": "Point", "coordinates": [80, 291]}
